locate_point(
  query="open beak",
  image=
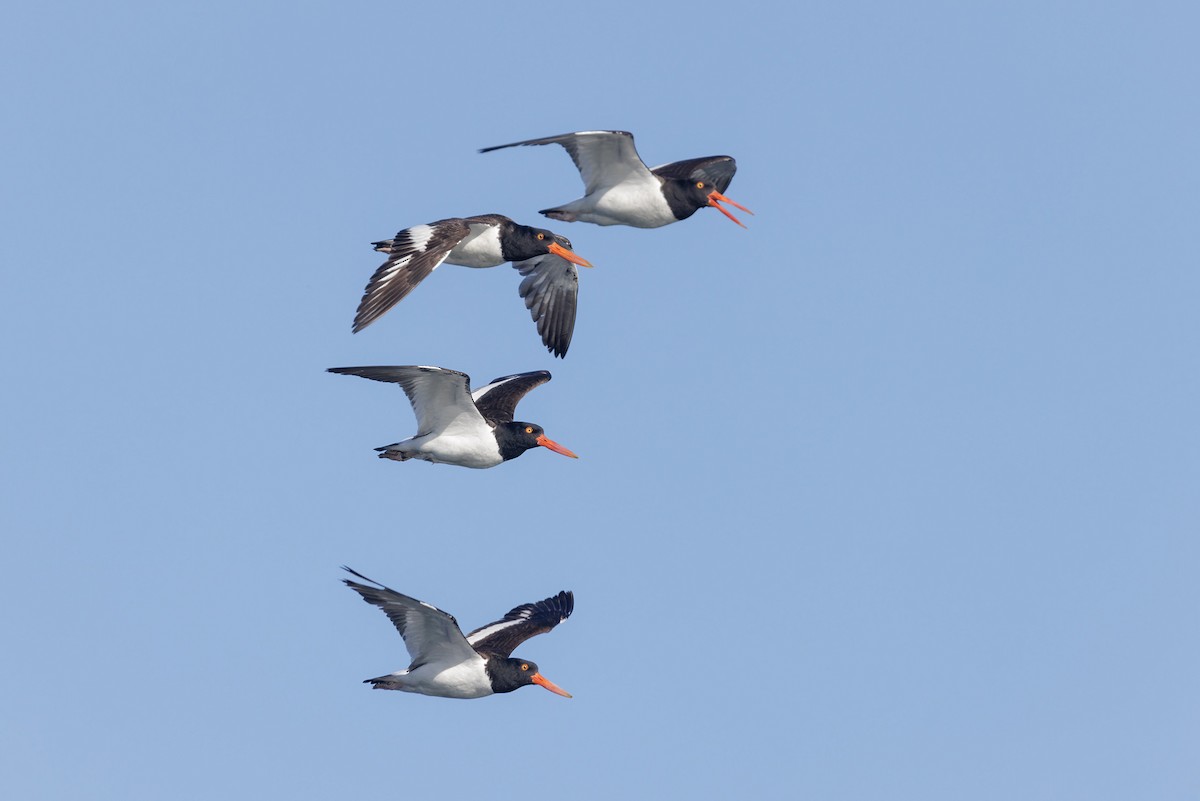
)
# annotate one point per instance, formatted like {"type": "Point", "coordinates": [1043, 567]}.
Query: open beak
{"type": "Point", "coordinates": [713, 200]}
{"type": "Point", "coordinates": [569, 255]}
{"type": "Point", "coordinates": [546, 442]}
{"type": "Point", "coordinates": [537, 678]}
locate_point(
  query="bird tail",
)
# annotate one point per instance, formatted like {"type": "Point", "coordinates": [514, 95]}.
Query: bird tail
{"type": "Point", "coordinates": [386, 452]}
{"type": "Point", "coordinates": [388, 682]}
{"type": "Point", "coordinates": [556, 214]}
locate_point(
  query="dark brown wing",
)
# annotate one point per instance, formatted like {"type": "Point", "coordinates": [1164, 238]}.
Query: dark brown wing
{"type": "Point", "coordinates": [412, 255]}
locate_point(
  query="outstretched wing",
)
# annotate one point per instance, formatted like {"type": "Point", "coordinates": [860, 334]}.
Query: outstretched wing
{"type": "Point", "coordinates": [412, 255]}
{"type": "Point", "coordinates": [527, 620]}
{"type": "Point", "coordinates": [440, 398]}
{"type": "Point", "coordinates": [430, 634]}
{"type": "Point", "coordinates": [497, 401]}
{"type": "Point", "coordinates": [714, 170]}
{"type": "Point", "coordinates": [551, 293]}
{"type": "Point", "coordinates": [603, 158]}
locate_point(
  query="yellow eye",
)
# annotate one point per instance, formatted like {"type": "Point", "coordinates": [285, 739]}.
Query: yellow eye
{"type": "Point", "coordinates": [700, 184]}
{"type": "Point", "coordinates": [524, 666]}
{"type": "Point", "coordinates": [528, 429]}
{"type": "Point", "coordinates": [541, 237]}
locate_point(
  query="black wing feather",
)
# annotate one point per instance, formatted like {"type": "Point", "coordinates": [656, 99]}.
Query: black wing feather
{"type": "Point", "coordinates": [378, 596]}
{"type": "Point", "coordinates": [551, 292]}
{"type": "Point", "coordinates": [497, 401]}
{"type": "Point", "coordinates": [527, 620]}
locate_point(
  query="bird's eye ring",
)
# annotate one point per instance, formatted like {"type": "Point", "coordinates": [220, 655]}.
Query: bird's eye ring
{"type": "Point", "coordinates": [541, 237]}
{"type": "Point", "coordinates": [528, 429]}
{"type": "Point", "coordinates": [700, 184]}
{"type": "Point", "coordinates": [524, 666]}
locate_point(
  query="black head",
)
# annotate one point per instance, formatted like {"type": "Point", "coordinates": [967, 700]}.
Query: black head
{"type": "Point", "coordinates": [511, 674]}
{"type": "Point", "coordinates": [692, 184]}
{"type": "Point", "coordinates": [524, 243]}
{"type": "Point", "coordinates": [687, 196]}
{"type": "Point", "coordinates": [516, 438]}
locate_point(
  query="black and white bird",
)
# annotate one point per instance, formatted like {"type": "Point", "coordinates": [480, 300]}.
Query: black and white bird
{"type": "Point", "coordinates": [545, 259]}
{"type": "Point", "coordinates": [457, 426]}
{"type": "Point", "coordinates": [449, 665]}
{"type": "Point", "coordinates": [621, 190]}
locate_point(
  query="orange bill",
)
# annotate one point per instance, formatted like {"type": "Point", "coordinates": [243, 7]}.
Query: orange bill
{"type": "Point", "coordinates": [546, 442]}
{"type": "Point", "coordinates": [537, 678]}
{"type": "Point", "coordinates": [713, 200]}
{"type": "Point", "coordinates": [569, 255]}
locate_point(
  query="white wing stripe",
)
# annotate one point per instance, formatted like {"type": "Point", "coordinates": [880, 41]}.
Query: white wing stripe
{"type": "Point", "coordinates": [495, 627]}
{"type": "Point", "coordinates": [419, 236]}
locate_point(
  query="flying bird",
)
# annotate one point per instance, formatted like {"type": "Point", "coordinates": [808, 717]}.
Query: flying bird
{"type": "Point", "coordinates": [449, 665]}
{"type": "Point", "coordinates": [457, 426]}
{"type": "Point", "coordinates": [621, 190]}
{"type": "Point", "coordinates": [545, 259]}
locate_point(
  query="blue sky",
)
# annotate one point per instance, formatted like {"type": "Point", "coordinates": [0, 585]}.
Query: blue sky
{"type": "Point", "coordinates": [892, 495]}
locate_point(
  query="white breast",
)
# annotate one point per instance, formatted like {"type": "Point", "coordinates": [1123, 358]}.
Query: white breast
{"type": "Point", "coordinates": [481, 248]}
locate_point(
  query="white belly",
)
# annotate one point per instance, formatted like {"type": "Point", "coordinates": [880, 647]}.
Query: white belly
{"type": "Point", "coordinates": [464, 680]}
{"type": "Point", "coordinates": [640, 205]}
{"type": "Point", "coordinates": [466, 451]}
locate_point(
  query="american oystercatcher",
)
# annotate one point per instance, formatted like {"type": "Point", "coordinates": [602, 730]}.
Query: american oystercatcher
{"type": "Point", "coordinates": [449, 665]}
{"type": "Point", "coordinates": [621, 190]}
{"type": "Point", "coordinates": [457, 426]}
{"type": "Point", "coordinates": [551, 283]}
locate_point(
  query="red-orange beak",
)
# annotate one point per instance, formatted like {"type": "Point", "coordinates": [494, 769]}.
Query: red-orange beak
{"type": "Point", "coordinates": [715, 196]}
{"type": "Point", "coordinates": [546, 442]}
{"type": "Point", "coordinates": [569, 255]}
{"type": "Point", "coordinates": [537, 678]}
